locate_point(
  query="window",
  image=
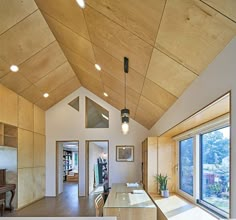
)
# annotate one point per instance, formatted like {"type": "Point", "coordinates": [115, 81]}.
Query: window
{"type": "Point", "coordinates": [186, 165]}
{"type": "Point", "coordinates": [204, 165]}
{"type": "Point", "coordinates": [214, 171]}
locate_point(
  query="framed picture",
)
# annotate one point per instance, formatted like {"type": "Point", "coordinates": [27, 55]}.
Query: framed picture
{"type": "Point", "coordinates": [125, 153]}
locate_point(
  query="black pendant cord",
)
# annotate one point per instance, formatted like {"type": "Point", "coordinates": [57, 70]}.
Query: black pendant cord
{"type": "Point", "coordinates": [125, 90]}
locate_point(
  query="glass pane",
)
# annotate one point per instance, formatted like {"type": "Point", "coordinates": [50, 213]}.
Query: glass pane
{"type": "Point", "coordinates": [96, 115]}
{"type": "Point", "coordinates": [215, 183]}
{"type": "Point", "coordinates": [186, 165]}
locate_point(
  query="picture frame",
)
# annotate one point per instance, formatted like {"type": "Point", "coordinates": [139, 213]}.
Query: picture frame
{"type": "Point", "coordinates": [124, 153]}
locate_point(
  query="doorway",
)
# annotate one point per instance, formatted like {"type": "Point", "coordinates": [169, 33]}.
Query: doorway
{"type": "Point", "coordinates": [97, 163]}
{"type": "Point", "coordinates": [67, 165]}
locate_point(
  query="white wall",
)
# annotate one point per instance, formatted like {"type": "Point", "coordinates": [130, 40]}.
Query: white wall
{"type": "Point", "coordinates": [216, 80]}
{"type": "Point", "coordinates": [65, 123]}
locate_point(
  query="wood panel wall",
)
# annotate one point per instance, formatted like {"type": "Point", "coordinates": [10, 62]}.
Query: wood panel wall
{"type": "Point", "coordinates": [30, 120]}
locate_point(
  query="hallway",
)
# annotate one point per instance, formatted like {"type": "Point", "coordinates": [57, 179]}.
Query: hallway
{"type": "Point", "coordinates": [66, 204]}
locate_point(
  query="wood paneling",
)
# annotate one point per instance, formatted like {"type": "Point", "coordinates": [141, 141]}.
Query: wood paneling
{"type": "Point", "coordinates": [117, 41]}
{"type": "Point", "coordinates": [69, 14]}
{"type": "Point", "coordinates": [140, 17]}
{"type": "Point", "coordinates": [65, 89]}
{"type": "Point", "coordinates": [42, 63]}
{"type": "Point", "coordinates": [70, 39]}
{"type": "Point", "coordinates": [25, 114]}
{"type": "Point", "coordinates": [39, 150]}
{"type": "Point", "coordinates": [193, 34]}
{"type": "Point", "coordinates": [25, 187]}
{"type": "Point", "coordinates": [168, 74]}
{"type": "Point", "coordinates": [12, 12]}
{"type": "Point", "coordinates": [25, 148]}
{"type": "Point", "coordinates": [25, 39]}
{"type": "Point", "coordinates": [8, 113]}
{"type": "Point", "coordinates": [15, 82]}
{"type": "Point", "coordinates": [45, 103]}
{"type": "Point", "coordinates": [32, 93]}
{"type": "Point", "coordinates": [39, 177]}
{"type": "Point", "coordinates": [55, 78]}
{"type": "Point", "coordinates": [228, 7]}
{"type": "Point", "coordinates": [39, 120]}
{"type": "Point", "coordinates": [157, 95]}
{"type": "Point", "coordinates": [4, 68]}
{"type": "Point", "coordinates": [115, 67]}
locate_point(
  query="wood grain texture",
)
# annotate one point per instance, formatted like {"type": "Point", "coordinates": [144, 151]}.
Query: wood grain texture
{"type": "Point", "coordinates": [115, 68]}
{"type": "Point", "coordinates": [25, 39]}
{"type": "Point", "coordinates": [55, 78]}
{"type": "Point", "coordinates": [42, 63]}
{"type": "Point", "coordinates": [70, 39]}
{"type": "Point", "coordinates": [142, 19]}
{"type": "Point", "coordinates": [39, 120]}
{"type": "Point", "coordinates": [4, 68]}
{"type": "Point", "coordinates": [66, 12]}
{"type": "Point", "coordinates": [32, 93]}
{"type": "Point", "coordinates": [39, 152]}
{"type": "Point", "coordinates": [193, 34]}
{"type": "Point", "coordinates": [9, 100]}
{"type": "Point", "coordinates": [157, 95]}
{"type": "Point", "coordinates": [168, 74]}
{"type": "Point", "coordinates": [117, 41]}
{"type": "Point", "coordinates": [39, 182]}
{"type": "Point", "coordinates": [25, 148]}
{"type": "Point", "coordinates": [25, 114]}
{"type": "Point", "coordinates": [227, 7]}
{"type": "Point", "coordinates": [12, 12]}
{"type": "Point", "coordinates": [15, 82]}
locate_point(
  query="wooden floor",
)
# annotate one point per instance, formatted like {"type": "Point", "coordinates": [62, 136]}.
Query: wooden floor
{"type": "Point", "coordinates": [66, 204]}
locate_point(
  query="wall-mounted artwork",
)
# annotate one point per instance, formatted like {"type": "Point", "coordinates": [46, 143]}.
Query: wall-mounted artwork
{"type": "Point", "coordinates": [125, 153]}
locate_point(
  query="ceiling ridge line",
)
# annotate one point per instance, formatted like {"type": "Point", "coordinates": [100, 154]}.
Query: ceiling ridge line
{"type": "Point", "coordinates": [62, 25]}
{"type": "Point", "coordinates": [218, 11]}
{"type": "Point", "coordinates": [121, 26]}
{"type": "Point", "coordinates": [18, 22]}
{"type": "Point", "coordinates": [93, 50]}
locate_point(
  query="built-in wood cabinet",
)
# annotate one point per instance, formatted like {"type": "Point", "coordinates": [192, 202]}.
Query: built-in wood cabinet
{"type": "Point", "coordinates": [8, 135]}
{"type": "Point", "coordinates": [158, 156]}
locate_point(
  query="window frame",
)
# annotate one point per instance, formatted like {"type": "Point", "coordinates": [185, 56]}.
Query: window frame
{"type": "Point", "coordinates": [212, 125]}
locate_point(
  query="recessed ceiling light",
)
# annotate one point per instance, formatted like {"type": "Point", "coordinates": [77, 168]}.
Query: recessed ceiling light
{"type": "Point", "coordinates": [45, 95]}
{"type": "Point", "coordinates": [98, 67]}
{"type": "Point", "coordinates": [105, 94]}
{"type": "Point", "coordinates": [81, 3]}
{"type": "Point", "coordinates": [14, 68]}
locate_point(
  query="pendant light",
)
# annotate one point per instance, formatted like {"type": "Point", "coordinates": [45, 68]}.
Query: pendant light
{"type": "Point", "coordinates": [125, 112]}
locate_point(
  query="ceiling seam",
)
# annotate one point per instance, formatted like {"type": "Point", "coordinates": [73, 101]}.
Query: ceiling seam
{"type": "Point", "coordinates": [121, 26]}
{"type": "Point", "coordinates": [151, 56]}
{"type": "Point", "coordinates": [18, 22]}
{"type": "Point", "coordinates": [94, 52]}
{"type": "Point", "coordinates": [218, 11]}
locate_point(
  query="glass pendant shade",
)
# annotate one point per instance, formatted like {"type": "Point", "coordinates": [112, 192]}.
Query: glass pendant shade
{"type": "Point", "coordinates": [125, 125]}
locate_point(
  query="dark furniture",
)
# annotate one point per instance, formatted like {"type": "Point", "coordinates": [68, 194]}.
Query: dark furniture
{"type": "Point", "coordinates": [5, 188]}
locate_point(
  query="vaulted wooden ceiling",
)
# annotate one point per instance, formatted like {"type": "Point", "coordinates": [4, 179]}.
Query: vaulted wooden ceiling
{"type": "Point", "coordinates": [55, 43]}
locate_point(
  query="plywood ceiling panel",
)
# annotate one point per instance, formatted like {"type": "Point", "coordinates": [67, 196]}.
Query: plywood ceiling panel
{"type": "Point", "coordinates": [32, 93]}
{"type": "Point", "coordinates": [140, 17]}
{"type": "Point", "coordinates": [115, 67]}
{"type": "Point", "coordinates": [55, 78]}
{"type": "Point", "coordinates": [70, 39]}
{"type": "Point", "coordinates": [226, 7]}
{"type": "Point", "coordinates": [117, 41]}
{"type": "Point", "coordinates": [15, 82]}
{"type": "Point", "coordinates": [193, 33]}
{"type": "Point", "coordinates": [168, 43]}
{"type": "Point", "coordinates": [65, 89]}
{"type": "Point", "coordinates": [157, 95]}
{"type": "Point", "coordinates": [12, 12]}
{"type": "Point", "coordinates": [168, 74]}
{"type": "Point", "coordinates": [66, 12]}
{"type": "Point", "coordinates": [4, 68]}
{"type": "Point", "coordinates": [81, 62]}
{"type": "Point", "coordinates": [25, 39]}
{"type": "Point", "coordinates": [43, 62]}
